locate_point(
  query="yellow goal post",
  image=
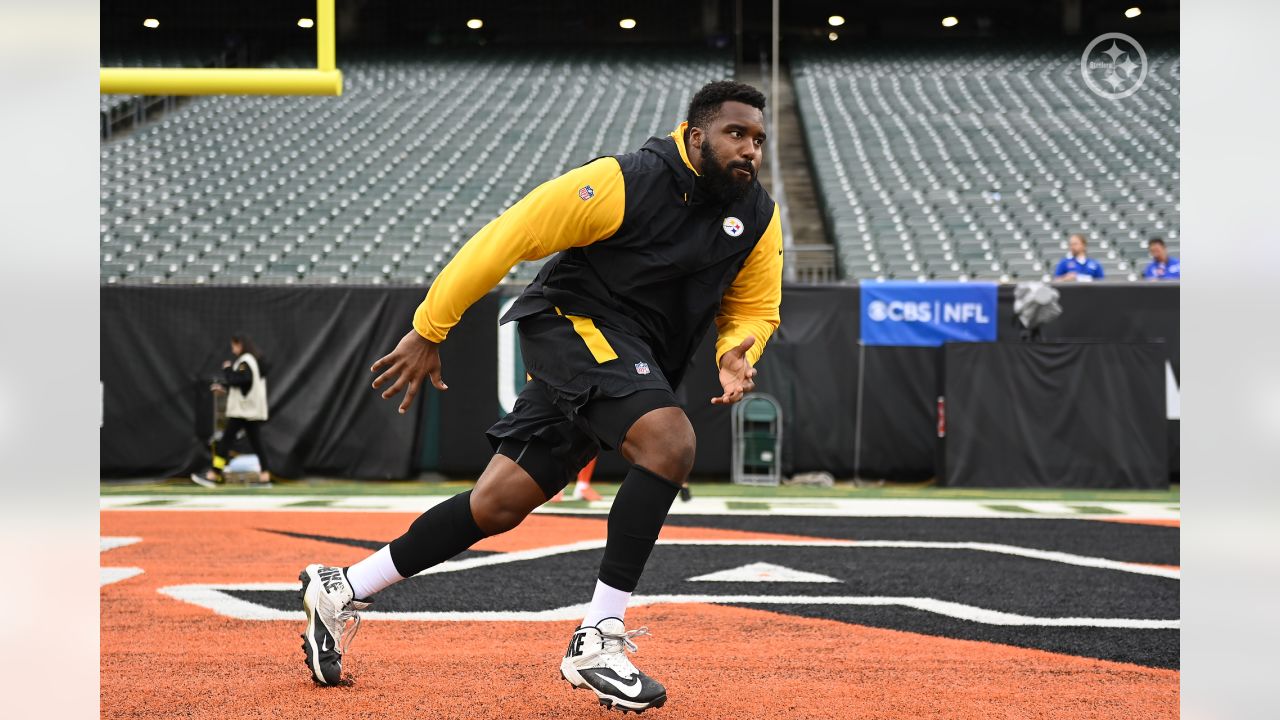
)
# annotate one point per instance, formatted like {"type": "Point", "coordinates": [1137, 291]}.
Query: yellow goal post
{"type": "Point", "coordinates": [324, 79]}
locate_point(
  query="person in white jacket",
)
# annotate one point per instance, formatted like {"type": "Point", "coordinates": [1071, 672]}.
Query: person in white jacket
{"type": "Point", "coordinates": [245, 382]}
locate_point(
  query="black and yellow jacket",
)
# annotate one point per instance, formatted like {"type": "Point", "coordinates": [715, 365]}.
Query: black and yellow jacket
{"type": "Point", "coordinates": [641, 249]}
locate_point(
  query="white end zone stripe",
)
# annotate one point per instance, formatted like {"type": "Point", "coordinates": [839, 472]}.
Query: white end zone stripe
{"type": "Point", "coordinates": [214, 598]}
{"type": "Point", "coordinates": [111, 543]}
{"type": "Point", "coordinates": [959, 611]}
{"type": "Point", "coordinates": [794, 507]}
{"type": "Point", "coordinates": [108, 575]}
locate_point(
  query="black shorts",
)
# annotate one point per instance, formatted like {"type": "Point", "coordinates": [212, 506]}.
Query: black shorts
{"type": "Point", "coordinates": [589, 386]}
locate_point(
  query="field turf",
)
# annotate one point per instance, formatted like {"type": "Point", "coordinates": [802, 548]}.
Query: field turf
{"type": "Point", "coordinates": [752, 615]}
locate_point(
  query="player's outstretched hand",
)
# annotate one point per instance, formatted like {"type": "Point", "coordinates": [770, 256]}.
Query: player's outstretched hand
{"type": "Point", "coordinates": [414, 358]}
{"type": "Point", "coordinates": [737, 377]}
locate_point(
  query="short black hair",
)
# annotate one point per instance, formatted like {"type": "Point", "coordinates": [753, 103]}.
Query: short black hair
{"type": "Point", "coordinates": [706, 102]}
{"type": "Point", "coordinates": [1155, 241]}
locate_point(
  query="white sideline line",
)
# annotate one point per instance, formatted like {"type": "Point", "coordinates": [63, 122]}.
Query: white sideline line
{"type": "Point", "coordinates": [795, 507]}
{"type": "Point", "coordinates": [213, 598]}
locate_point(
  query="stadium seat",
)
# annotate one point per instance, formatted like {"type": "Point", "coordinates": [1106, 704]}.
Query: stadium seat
{"type": "Point", "coordinates": [382, 184]}
{"type": "Point", "coordinates": [977, 163]}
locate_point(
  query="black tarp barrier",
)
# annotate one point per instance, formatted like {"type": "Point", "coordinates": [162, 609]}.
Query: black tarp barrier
{"type": "Point", "coordinates": [899, 402]}
{"type": "Point", "coordinates": [1123, 313]}
{"type": "Point", "coordinates": [160, 344]}
{"type": "Point", "coordinates": [900, 383]}
{"type": "Point", "coordinates": [469, 366]}
{"type": "Point", "coordinates": [1056, 414]}
{"type": "Point", "coordinates": [811, 368]}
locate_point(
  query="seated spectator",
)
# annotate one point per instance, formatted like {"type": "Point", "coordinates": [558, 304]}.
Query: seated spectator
{"type": "Point", "coordinates": [1162, 266]}
{"type": "Point", "coordinates": [1077, 265]}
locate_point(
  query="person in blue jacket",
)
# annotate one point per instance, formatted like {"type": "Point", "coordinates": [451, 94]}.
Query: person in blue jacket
{"type": "Point", "coordinates": [1078, 265]}
{"type": "Point", "coordinates": [1163, 266]}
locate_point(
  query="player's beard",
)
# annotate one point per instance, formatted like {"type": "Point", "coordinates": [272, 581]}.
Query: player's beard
{"type": "Point", "coordinates": [718, 178]}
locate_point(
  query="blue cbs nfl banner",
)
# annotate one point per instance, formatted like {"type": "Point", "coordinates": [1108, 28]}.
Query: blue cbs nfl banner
{"type": "Point", "coordinates": [905, 312]}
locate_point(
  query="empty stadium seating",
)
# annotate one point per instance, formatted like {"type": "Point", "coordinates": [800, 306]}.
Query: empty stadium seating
{"type": "Point", "coordinates": [951, 164]}
{"type": "Point", "coordinates": [965, 163]}
{"type": "Point", "coordinates": [112, 109]}
{"type": "Point", "coordinates": [382, 184]}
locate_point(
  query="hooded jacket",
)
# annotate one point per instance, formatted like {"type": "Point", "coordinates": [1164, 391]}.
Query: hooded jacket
{"type": "Point", "coordinates": [642, 249]}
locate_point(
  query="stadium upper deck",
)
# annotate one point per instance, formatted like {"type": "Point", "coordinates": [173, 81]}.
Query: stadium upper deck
{"type": "Point", "coordinates": [978, 164]}
{"type": "Point", "coordinates": [382, 184]}
{"type": "Point", "coordinates": [939, 164]}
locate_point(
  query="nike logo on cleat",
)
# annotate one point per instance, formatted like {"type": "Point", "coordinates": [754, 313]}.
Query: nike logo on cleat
{"type": "Point", "coordinates": [331, 578]}
{"type": "Point", "coordinates": [324, 645]}
{"type": "Point", "coordinates": [575, 645]}
{"type": "Point", "coordinates": [629, 689]}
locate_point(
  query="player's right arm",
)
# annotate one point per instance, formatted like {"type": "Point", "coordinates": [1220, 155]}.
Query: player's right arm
{"type": "Point", "coordinates": [551, 218]}
{"type": "Point", "coordinates": [574, 210]}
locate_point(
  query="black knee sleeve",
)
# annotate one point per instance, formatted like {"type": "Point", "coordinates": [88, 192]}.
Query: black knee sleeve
{"type": "Point", "coordinates": [437, 535]}
{"type": "Point", "coordinates": [638, 512]}
{"type": "Point", "coordinates": [551, 467]}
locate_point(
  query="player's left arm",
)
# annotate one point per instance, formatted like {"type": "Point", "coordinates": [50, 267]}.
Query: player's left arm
{"type": "Point", "coordinates": [749, 314]}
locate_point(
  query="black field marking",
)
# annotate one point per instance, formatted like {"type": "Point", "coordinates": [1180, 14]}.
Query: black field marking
{"type": "Point", "coordinates": [1010, 584]}
{"type": "Point", "coordinates": [353, 542]}
{"type": "Point", "coordinates": [356, 542]}
{"type": "Point", "coordinates": [1006, 583]}
{"type": "Point", "coordinates": [1153, 648]}
{"type": "Point", "coordinates": [1128, 542]}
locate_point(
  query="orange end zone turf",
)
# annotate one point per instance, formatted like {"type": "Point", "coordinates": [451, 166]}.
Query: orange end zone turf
{"type": "Point", "coordinates": [163, 658]}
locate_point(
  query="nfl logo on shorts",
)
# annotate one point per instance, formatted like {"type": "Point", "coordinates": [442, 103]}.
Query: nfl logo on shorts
{"type": "Point", "coordinates": [642, 368]}
{"type": "Point", "coordinates": [586, 192]}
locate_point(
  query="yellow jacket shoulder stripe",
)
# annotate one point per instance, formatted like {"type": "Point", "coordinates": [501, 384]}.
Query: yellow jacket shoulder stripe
{"type": "Point", "coordinates": [582, 206]}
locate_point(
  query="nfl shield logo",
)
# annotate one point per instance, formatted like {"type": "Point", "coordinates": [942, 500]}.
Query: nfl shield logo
{"type": "Point", "coordinates": [642, 368]}
{"type": "Point", "coordinates": [586, 192]}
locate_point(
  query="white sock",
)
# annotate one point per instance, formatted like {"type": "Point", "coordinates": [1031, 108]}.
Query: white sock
{"type": "Point", "coordinates": [374, 573]}
{"type": "Point", "coordinates": [582, 485]}
{"type": "Point", "coordinates": [607, 602]}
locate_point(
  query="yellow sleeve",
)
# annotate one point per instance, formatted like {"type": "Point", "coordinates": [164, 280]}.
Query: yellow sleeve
{"type": "Point", "coordinates": [576, 209]}
{"type": "Point", "coordinates": [750, 306]}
